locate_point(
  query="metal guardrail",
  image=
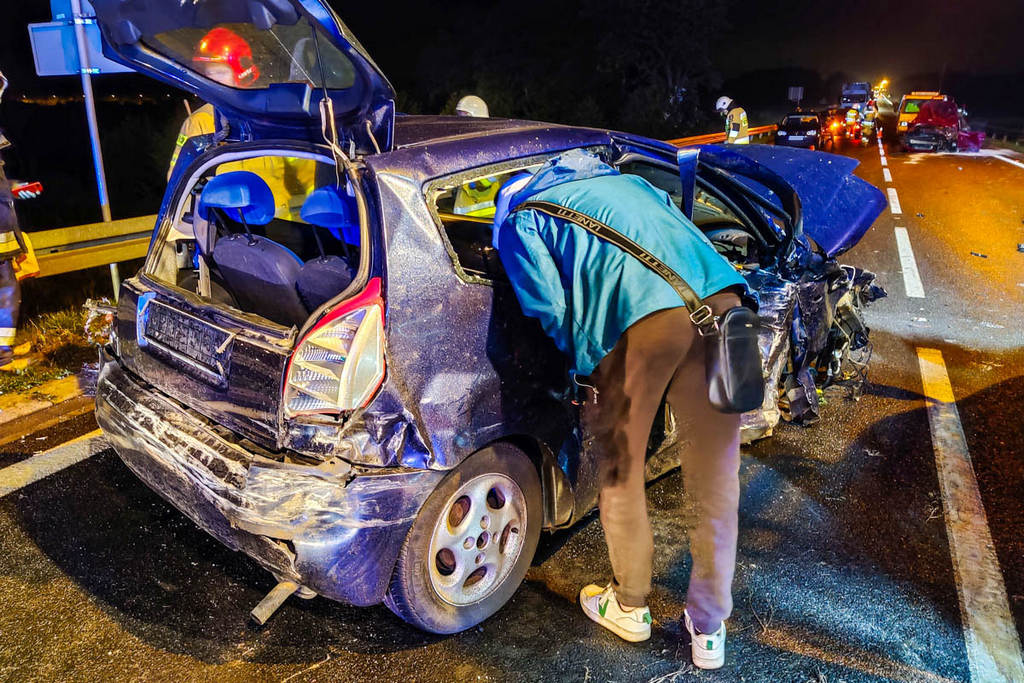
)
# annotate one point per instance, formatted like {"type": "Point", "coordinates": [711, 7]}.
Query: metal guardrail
{"type": "Point", "coordinates": [713, 138]}
{"type": "Point", "coordinates": [65, 250]}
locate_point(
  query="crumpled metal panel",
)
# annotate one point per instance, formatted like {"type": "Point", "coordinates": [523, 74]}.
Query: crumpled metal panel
{"type": "Point", "coordinates": [777, 300]}
{"type": "Point", "coordinates": [344, 525]}
{"type": "Point", "coordinates": [465, 368]}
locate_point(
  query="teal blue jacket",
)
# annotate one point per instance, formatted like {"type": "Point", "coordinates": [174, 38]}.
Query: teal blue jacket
{"type": "Point", "coordinates": [584, 291]}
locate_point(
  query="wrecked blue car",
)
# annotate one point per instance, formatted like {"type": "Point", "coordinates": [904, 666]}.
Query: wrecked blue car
{"type": "Point", "coordinates": [321, 362]}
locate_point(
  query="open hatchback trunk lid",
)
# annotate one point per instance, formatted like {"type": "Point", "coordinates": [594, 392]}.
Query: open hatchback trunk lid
{"type": "Point", "coordinates": [264, 64]}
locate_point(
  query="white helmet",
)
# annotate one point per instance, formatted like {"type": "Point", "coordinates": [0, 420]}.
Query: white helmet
{"type": "Point", "coordinates": [471, 105]}
{"type": "Point", "coordinates": [723, 104]}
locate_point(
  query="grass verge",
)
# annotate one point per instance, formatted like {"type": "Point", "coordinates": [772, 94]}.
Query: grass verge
{"type": "Point", "coordinates": [58, 348]}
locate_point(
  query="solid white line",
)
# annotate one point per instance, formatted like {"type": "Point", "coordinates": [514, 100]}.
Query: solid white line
{"type": "Point", "coordinates": [911, 278]}
{"type": "Point", "coordinates": [38, 467]}
{"type": "Point", "coordinates": [887, 174]}
{"type": "Point", "coordinates": [993, 648]}
{"type": "Point", "coordinates": [1008, 160]}
{"type": "Point", "coordinates": [894, 202]}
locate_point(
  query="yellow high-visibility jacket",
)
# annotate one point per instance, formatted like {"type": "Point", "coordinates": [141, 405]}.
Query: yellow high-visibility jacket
{"type": "Point", "coordinates": [476, 198]}
{"type": "Point", "coordinates": [737, 130]}
{"type": "Point", "coordinates": [290, 179]}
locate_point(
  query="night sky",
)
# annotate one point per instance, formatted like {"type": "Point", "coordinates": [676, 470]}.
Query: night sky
{"type": "Point", "coordinates": [866, 39]}
{"type": "Point", "coordinates": [870, 38]}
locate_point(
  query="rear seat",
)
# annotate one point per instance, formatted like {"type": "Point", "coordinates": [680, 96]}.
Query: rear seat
{"type": "Point", "coordinates": [260, 273]}
{"type": "Point", "coordinates": [323, 278]}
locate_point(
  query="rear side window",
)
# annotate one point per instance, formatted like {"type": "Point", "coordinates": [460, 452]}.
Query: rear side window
{"type": "Point", "coordinates": [466, 213]}
{"type": "Point", "coordinates": [240, 55]}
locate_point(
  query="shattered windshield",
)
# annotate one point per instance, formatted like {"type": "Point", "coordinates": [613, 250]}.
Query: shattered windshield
{"type": "Point", "coordinates": [240, 55]}
{"type": "Point", "coordinates": [913, 106]}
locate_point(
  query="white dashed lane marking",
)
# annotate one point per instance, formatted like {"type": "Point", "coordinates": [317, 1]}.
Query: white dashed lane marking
{"type": "Point", "coordinates": [38, 467]}
{"type": "Point", "coordinates": [885, 162]}
{"type": "Point", "coordinates": [911, 278]}
{"type": "Point", "coordinates": [993, 647]}
{"type": "Point", "coordinates": [894, 202]}
{"type": "Point", "coordinates": [887, 174]}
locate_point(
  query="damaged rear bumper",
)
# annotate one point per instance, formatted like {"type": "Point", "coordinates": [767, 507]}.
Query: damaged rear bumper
{"type": "Point", "coordinates": [333, 529]}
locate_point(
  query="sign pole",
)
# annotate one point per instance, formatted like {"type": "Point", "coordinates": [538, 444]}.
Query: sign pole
{"type": "Point", "coordinates": [94, 132]}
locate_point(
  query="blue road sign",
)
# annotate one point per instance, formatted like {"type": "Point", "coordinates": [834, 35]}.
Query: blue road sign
{"type": "Point", "coordinates": [56, 53]}
{"type": "Point", "coordinates": [54, 47]}
{"type": "Point", "coordinates": [61, 10]}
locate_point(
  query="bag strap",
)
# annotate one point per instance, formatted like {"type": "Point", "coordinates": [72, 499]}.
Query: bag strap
{"type": "Point", "coordinates": [701, 314]}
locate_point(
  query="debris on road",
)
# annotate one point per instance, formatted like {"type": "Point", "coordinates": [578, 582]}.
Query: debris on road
{"type": "Point", "coordinates": [920, 215]}
{"type": "Point", "coordinates": [974, 253]}
{"type": "Point", "coordinates": [1020, 247]}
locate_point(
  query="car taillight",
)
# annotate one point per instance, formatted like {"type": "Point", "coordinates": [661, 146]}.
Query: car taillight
{"type": "Point", "coordinates": [339, 364]}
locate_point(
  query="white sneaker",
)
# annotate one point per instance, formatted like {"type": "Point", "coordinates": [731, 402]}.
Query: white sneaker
{"type": "Point", "coordinates": [707, 649]}
{"type": "Point", "coordinates": [601, 605]}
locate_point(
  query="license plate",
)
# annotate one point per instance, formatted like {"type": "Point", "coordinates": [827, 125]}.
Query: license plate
{"type": "Point", "coordinates": [797, 138]}
{"type": "Point", "coordinates": [188, 337]}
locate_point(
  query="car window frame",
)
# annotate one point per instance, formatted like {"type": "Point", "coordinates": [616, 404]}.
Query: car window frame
{"type": "Point", "coordinates": [434, 188]}
{"type": "Point", "coordinates": [226, 154]}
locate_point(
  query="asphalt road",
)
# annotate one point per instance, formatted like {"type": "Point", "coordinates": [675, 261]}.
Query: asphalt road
{"type": "Point", "coordinates": [845, 570]}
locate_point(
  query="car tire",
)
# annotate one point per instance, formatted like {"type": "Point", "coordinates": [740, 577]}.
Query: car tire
{"type": "Point", "coordinates": [492, 501]}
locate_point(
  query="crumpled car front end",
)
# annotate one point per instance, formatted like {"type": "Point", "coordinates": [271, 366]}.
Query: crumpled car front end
{"type": "Point", "coordinates": [330, 527]}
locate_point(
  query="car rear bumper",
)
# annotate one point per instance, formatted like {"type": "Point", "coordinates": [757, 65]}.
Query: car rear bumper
{"type": "Point", "coordinates": [330, 528]}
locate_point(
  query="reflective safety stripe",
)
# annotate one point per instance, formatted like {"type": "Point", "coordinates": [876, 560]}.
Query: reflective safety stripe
{"type": "Point", "coordinates": [474, 209]}
{"type": "Point", "coordinates": [9, 242]}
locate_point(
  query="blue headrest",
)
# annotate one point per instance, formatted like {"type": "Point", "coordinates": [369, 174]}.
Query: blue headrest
{"type": "Point", "coordinates": [327, 207]}
{"type": "Point", "coordinates": [243, 195]}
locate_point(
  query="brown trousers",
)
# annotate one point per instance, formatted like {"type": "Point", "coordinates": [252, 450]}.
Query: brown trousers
{"type": "Point", "coordinates": [663, 352]}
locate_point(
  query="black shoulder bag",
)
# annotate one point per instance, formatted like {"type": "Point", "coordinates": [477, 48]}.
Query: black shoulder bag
{"type": "Point", "coordinates": [735, 380]}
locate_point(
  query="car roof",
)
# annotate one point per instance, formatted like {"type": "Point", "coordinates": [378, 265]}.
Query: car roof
{"type": "Point", "coordinates": [416, 130]}
{"type": "Point", "coordinates": [428, 147]}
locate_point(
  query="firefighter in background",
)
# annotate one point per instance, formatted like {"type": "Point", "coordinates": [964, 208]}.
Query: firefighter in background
{"type": "Point", "coordinates": [853, 122]}
{"type": "Point", "coordinates": [867, 122]}
{"type": "Point", "coordinates": [737, 130]}
{"type": "Point", "coordinates": [227, 58]}
{"type": "Point", "coordinates": [13, 252]}
{"type": "Point", "coordinates": [474, 106]}
{"type": "Point", "coordinates": [475, 198]}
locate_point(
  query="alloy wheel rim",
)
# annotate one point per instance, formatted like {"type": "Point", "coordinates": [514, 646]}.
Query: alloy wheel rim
{"type": "Point", "coordinates": [477, 539]}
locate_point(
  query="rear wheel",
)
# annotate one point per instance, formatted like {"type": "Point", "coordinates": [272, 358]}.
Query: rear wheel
{"type": "Point", "coordinates": [471, 544]}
